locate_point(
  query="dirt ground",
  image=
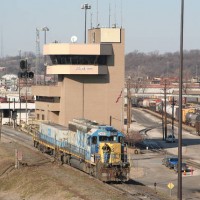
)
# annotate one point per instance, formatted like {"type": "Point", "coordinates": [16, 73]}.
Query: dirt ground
{"type": "Point", "coordinates": [40, 178]}
{"type": "Point", "coordinates": [43, 179]}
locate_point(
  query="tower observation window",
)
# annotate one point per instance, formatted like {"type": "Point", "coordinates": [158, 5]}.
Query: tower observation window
{"type": "Point", "coordinates": [79, 60]}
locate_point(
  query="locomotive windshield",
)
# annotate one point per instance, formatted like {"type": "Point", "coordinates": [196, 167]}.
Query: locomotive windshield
{"type": "Point", "coordinates": [106, 138]}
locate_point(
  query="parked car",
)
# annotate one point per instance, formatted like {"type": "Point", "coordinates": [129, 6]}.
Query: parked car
{"type": "Point", "coordinates": [170, 138]}
{"type": "Point", "coordinates": [171, 162]}
{"type": "Point", "coordinates": [166, 159]}
{"type": "Point", "coordinates": [184, 167]}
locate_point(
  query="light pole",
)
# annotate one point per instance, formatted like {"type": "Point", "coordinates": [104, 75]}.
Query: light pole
{"type": "Point", "coordinates": [45, 29]}
{"type": "Point", "coordinates": [180, 106]}
{"type": "Point", "coordinates": [85, 6]}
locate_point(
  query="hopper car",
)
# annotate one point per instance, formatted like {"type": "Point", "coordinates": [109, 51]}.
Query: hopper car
{"type": "Point", "coordinates": [96, 149]}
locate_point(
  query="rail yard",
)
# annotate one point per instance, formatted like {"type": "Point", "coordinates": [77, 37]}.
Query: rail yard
{"type": "Point", "coordinates": [145, 171]}
{"type": "Point", "coordinates": [33, 170]}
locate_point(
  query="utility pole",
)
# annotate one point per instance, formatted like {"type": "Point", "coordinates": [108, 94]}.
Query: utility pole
{"type": "Point", "coordinates": [26, 93]}
{"type": "Point", "coordinates": [9, 109]}
{"type": "Point", "coordinates": [165, 97]}
{"type": "Point", "coordinates": [13, 117]}
{"type": "Point", "coordinates": [19, 79]}
{"type": "Point", "coordinates": [0, 124]}
{"type": "Point", "coordinates": [173, 103]}
{"type": "Point", "coordinates": [179, 194]}
{"type": "Point", "coordinates": [128, 103]}
{"type": "Point", "coordinates": [163, 121]}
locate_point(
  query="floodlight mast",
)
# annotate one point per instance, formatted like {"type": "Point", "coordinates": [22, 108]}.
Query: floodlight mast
{"type": "Point", "coordinates": [179, 195]}
{"type": "Point", "coordinates": [86, 7]}
{"type": "Point", "coordinates": [45, 29]}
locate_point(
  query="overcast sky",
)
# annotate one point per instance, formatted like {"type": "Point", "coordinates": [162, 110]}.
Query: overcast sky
{"type": "Point", "coordinates": [150, 25]}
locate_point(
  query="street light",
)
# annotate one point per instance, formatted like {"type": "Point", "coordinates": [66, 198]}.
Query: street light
{"type": "Point", "coordinates": [45, 29]}
{"type": "Point", "coordinates": [180, 106]}
{"type": "Point", "coordinates": [85, 6]}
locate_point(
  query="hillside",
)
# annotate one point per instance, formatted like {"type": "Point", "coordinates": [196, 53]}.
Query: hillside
{"type": "Point", "coordinates": [154, 64]}
{"type": "Point", "coordinates": [10, 64]}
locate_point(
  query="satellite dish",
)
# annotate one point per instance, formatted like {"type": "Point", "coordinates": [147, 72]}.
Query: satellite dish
{"type": "Point", "coordinates": [74, 39]}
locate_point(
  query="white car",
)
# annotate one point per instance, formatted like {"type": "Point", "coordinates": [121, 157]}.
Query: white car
{"type": "Point", "coordinates": [170, 138]}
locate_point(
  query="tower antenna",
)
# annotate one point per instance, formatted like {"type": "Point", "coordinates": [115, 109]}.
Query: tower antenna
{"type": "Point", "coordinates": [115, 17]}
{"type": "Point", "coordinates": [2, 53]}
{"type": "Point", "coordinates": [91, 20]}
{"type": "Point", "coordinates": [109, 14]}
{"type": "Point", "coordinates": [121, 14]}
{"type": "Point", "coordinates": [97, 13]}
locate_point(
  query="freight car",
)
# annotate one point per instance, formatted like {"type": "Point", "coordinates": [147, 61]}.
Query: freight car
{"type": "Point", "coordinates": [197, 127]}
{"type": "Point", "coordinates": [192, 118]}
{"type": "Point", "coordinates": [98, 150]}
{"type": "Point", "coordinates": [152, 104]}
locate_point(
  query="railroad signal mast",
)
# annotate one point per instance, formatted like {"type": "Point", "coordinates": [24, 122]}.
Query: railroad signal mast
{"type": "Point", "coordinates": [128, 103]}
{"type": "Point", "coordinates": [25, 73]}
{"type": "Point", "coordinates": [165, 111]}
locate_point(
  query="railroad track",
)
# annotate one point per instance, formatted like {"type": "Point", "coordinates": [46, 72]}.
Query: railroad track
{"type": "Point", "coordinates": [138, 191]}
{"type": "Point", "coordinates": [16, 135]}
{"type": "Point", "coordinates": [193, 164]}
{"type": "Point", "coordinates": [8, 169]}
{"type": "Point", "coordinates": [149, 144]}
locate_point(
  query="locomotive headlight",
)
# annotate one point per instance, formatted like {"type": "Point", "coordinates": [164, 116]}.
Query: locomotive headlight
{"type": "Point", "coordinates": [126, 164]}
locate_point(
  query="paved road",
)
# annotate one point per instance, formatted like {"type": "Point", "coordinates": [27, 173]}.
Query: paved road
{"type": "Point", "coordinates": [150, 169]}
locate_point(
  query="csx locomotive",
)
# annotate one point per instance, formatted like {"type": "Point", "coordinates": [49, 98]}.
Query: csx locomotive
{"type": "Point", "coordinates": [98, 150]}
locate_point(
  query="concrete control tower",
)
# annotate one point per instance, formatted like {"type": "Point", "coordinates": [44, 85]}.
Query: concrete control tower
{"type": "Point", "coordinates": [90, 79]}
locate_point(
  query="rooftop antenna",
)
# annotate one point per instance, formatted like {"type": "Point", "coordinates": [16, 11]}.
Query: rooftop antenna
{"type": "Point", "coordinates": [115, 15]}
{"type": "Point", "coordinates": [91, 20]}
{"type": "Point", "coordinates": [121, 14]}
{"type": "Point", "coordinates": [2, 44]}
{"type": "Point", "coordinates": [97, 13]}
{"type": "Point", "coordinates": [109, 14]}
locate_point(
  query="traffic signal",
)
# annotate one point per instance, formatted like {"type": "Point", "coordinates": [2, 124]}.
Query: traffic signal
{"type": "Point", "coordinates": [23, 64]}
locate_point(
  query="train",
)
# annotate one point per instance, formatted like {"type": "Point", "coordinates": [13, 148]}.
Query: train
{"type": "Point", "coordinates": [94, 148]}
{"type": "Point", "coordinates": [190, 114]}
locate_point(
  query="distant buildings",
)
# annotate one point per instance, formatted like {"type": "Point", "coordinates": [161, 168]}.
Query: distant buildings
{"type": "Point", "coordinates": [12, 110]}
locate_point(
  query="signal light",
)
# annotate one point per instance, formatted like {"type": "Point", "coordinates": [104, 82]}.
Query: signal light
{"type": "Point", "coordinates": [30, 74]}
{"type": "Point", "coordinates": [23, 64]}
{"type": "Point", "coordinates": [26, 75]}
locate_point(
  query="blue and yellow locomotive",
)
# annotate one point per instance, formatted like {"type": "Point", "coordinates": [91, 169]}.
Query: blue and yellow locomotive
{"type": "Point", "coordinates": [93, 148]}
